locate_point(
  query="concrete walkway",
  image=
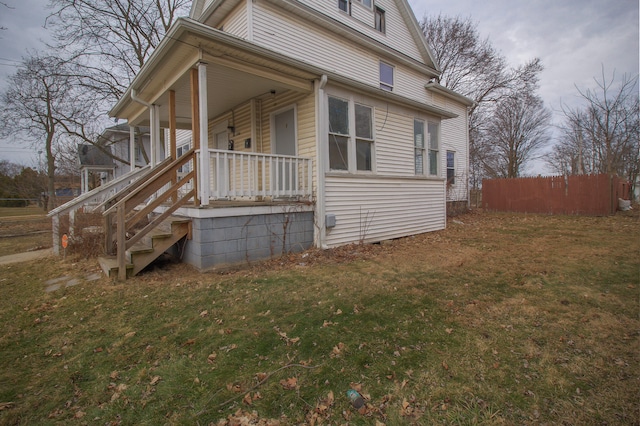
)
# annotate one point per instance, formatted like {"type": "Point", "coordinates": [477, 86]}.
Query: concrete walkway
{"type": "Point", "coordinates": [25, 257]}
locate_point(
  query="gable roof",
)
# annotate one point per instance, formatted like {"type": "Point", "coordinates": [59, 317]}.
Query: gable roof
{"type": "Point", "coordinates": [92, 156]}
{"type": "Point", "coordinates": [201, 10]}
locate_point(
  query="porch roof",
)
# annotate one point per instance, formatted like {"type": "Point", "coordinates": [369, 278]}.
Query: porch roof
{"type": "Point", "coordinates": [237, 71]}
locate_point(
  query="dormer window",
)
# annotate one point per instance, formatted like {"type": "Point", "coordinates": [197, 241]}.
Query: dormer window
{"type": "Point", "coordinates": [380, 23]}
{"type": "Point", "coordinates": [386, 76]}
{"type": "Point", "coordinates": [345, 6]}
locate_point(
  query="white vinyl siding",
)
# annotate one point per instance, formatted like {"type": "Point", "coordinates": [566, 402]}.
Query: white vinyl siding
{"type": "Point", "coordinates": [454, 137]}
{"type": "Point", "coordinates": [237, 23]}
{"type": "Point", "coordinates": [377, 209]}
{"type": "Point", "coordinates": [277, 30]}
{"type": "Point", "coordinates": [397, 35]}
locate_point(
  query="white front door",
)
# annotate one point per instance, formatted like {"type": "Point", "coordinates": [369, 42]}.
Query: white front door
{"type": "Point", "coordinates": [284, 143]}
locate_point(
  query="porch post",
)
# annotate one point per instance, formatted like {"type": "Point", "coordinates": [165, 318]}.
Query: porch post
{"type": "Point", "coordinates": [132, 148]}
{"type": "Point", "coordinates": [152, 136]}
{"type": "Point", "coordinates": [154, 112]}
{"type": "Point", "coordinates": [195, 134]}
{"type": "Point", "coordinates": [173, 150]}
{"type": "Point", "coordinates": [205, 190]}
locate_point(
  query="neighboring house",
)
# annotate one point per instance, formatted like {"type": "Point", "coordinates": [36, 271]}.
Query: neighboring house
{"type": "Point", "coordinates": [117, 139]}
{"type": "Point", "coordinates": [96, 166]}
{"type": "Point", "coordinates": [313, 123]}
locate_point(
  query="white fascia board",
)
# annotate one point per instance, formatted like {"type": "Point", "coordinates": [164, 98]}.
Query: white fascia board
{"type": "Point", "coordinates": [444, 91]}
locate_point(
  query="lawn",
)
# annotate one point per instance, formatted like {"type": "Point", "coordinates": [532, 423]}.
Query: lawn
{"type": "Point", "coordinates": [23, 229]}
{"type": "Point", "coordinates": [500, 319]}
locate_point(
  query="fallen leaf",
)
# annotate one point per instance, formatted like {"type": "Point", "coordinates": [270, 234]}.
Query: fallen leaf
{"type": "Point", "coordinates": [290, 383]}
{"type": "Point", "coordinates": [204, 314]}
{"type": "Point", "coordinates": [261, 377]}
{"type": "Point", "coordinates": [247, 399]}
{"type": "Point", "coordinates": [130, 334]}
{"type": "Point", "coordinates": [155, 380]}
{"type": "Point", "coordinates": [189, 342]}
{"type": "Point", "coordinates": [212, 357]}
{"type": "Point", "coordinates": [79, 414]}
{"type": "Point", "coordinates": [114, 375]}
{"type": "Point", "coordinates": [449, 330]}
{"type": "Point", "coordinates": [445, 365]}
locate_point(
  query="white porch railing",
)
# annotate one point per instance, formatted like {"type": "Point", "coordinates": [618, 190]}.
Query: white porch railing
{"type": "Point", "coordinates": [236, 174]}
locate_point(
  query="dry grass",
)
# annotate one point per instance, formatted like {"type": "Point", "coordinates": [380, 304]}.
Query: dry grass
{"type": "Point", "coordinates": [23, 229]}
{"type": "Point", "coordinates": [499, 320]}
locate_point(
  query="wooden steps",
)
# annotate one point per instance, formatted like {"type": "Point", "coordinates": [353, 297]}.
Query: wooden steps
{"type": "Point", "coordinates": [150, 247]}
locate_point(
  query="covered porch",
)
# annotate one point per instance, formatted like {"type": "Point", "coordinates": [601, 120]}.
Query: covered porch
{"type": "Point", "coordinates": [243, 107]}
{"type": "Point", "coordinates": [245, 177]}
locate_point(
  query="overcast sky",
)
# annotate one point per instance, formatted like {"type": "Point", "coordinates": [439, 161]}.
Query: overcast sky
{"type": "Point", "coordinates": [573, 38]}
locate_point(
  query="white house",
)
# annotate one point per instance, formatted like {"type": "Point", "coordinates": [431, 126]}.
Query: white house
{"type": "Point", "coordinates": [313, 122]}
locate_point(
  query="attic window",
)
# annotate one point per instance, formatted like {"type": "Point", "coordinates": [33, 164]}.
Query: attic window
{"type": "Point", "coordinates": [345, 6]}
{"type": "Point", "coordinates": [380, 23]}
{"type": "Point", "coordinates": [386, 76]}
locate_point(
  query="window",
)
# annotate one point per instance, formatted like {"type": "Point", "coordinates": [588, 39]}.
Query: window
{"type": "Point", "coordinates": [338, 134]}
{"type": "Point", "coordinates": [367, 3]}
{"type": "Point", "coordinates": [418, 142]}
{"type": "Point", "coordinates": [345, 6]}
{"type": "Point", "coordinates": [433, 148]}
{"type": "Point", "coordinates": [386, 76]}
{"type": "Point", "coordinates": [180, 151]}
{"type": "Point", "coordinates": [380, 23]}
{"type": "Point", "coordinates": [451, 168]}
{"type": "Point", "coordinates": [351, 136]}
{"type": "Point", "coordinates": [364, 138]}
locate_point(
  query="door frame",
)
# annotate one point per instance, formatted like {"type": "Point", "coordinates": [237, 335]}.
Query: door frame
{"type": "Point", "coordinates": [272, 121]}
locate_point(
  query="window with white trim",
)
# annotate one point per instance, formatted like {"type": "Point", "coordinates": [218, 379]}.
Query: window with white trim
{"type": "Point", "coordinates": [180, 151]}
{"type": "Point", "coordinates": [345, 6]}
{"type": "Point", "coordinates": [379, 20]}
{"type": "Point", "coordinates": [364, 138]}
{"type": "Point", "coordinates": [433, 130]}
{"type": "Point", "coordinates": [451, 168]}
{"type": "Point", "coordinates": [386, 76]}
{"type": "Point", "coordinates": [419, 146]}
{"type": "Point", "coordinates": [351, 137]}
{"type": "Point", "coordinates": [338, 134]}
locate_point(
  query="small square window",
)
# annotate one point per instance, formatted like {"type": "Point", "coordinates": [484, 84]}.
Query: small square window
{"type": "Point", "coordinates": [380, 22]}
{"type": "Point", "coordinates": [386, 76]}
{"type": "Point", "coordinates": [345, 6]}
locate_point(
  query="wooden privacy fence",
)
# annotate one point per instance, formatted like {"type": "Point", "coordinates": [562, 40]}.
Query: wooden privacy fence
{"type": "Point", "coordinates": [589, 195]}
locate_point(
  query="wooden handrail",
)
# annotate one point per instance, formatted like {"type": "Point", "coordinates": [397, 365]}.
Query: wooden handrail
{"type": "Point", "coordinates": [137, 194]}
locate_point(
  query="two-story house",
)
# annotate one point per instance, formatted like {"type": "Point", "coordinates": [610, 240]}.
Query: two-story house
{"type": "Point", "coordinates": [313, 122]}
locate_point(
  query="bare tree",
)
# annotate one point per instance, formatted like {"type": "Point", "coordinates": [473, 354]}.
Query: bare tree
{"type": "Point", "coordinates": [472, 67]}
{"type": "Point", "coordinates": [109, 41]}
{"type": "Point", "coordinates": [602, 136]}
{"type": "Point", "coordinates": [515, 134]}
{"type": "Point", "coordinates": [40, 97]}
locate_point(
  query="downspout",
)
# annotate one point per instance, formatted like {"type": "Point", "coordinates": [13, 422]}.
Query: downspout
{"type": "Point", "coordinates": [321, 136]}
{"type": "Point", "coordinates": [135, 98]}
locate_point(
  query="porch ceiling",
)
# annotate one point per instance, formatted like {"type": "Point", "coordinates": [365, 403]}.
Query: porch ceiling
{"type": "Point", "coordinates": [226, 89]}
{"type": "Point", "coordinates": [236, 73]}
